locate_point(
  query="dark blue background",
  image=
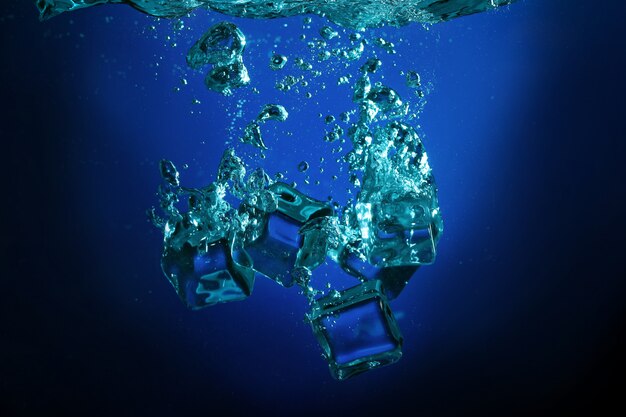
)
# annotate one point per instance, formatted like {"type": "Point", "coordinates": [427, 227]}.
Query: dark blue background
{"type": "Point", "coordinates": [523, 313]}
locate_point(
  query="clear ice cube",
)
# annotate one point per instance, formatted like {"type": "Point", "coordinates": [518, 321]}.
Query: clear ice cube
{"type": "Point", "coordinates": [356, 330]}
{"type": "Point", "coordinates": [208, 274]}
{"type": "Point", "coordinates": [393, 278]}
{"type": "Point", "coordinates": [406, 230]}
{"type": "Point", "coordinates": [397, 210]}
{"type": "Point", "coordinates": [275, 251]}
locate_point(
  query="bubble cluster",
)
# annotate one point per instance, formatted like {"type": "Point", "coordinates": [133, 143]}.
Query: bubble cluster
{"type": "Point", "coordinates": [252, 132]}
{"type": "Point", "coordinates": [221, 46]}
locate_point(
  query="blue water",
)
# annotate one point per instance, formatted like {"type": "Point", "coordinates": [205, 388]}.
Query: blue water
{"type": "Point", "coordinates": [522, 313]}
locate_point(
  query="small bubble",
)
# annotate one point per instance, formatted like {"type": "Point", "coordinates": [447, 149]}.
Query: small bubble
{"type": "Point", "coordinates": [303, 166]}
{"type": "Point", "coordinates": [178, 25]}
{"type": "Point", "coordinates": [278, 61]}
{"type": "Point", "coordinates": [327, 32]}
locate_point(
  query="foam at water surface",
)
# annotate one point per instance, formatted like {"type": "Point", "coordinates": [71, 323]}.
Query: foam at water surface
{"type": "Point", "coordinates": [370, 13]}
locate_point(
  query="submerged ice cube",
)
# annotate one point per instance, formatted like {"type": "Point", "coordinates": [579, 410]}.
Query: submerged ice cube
{"type": "Point", "coordinates": [392, 278]}
{"type": "Point", "coordinates": [356, 330]}
{"type": "Point", "coordinates": [275, 250]}
{"type": "Point", "coordinates": [316, 241]}
{"type": "Point", "coordinates": [298, 206]}
{"type": "Point", "coordinates": [397, 210]}
{"type": "Point", "coordinates": [404, 230]}
{"type": "Point", "coordinates": [208, 274]}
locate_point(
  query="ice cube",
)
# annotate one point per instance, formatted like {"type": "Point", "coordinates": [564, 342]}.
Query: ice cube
{"type": "Point", "coordinates": [275, 251]}
{"type": "Point", "coordinates": [393, 278]}
{"type": "Point", "coordinates": [397, 210]}
{"type": "Point", "coordinates": [208, 274]}
{"type": "Point", "coordinates": [356, 330]}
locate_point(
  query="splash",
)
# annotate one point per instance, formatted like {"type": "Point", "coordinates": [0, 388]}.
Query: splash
{"type": "Point", "coordinates": [221, 46]}
{"type": "Point", "coordinates": [375, 242]}
{"type": "Point", "coordinates": [246, 224]}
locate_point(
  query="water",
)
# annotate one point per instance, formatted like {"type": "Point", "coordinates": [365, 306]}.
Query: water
{"type": "Point", "coordinates": [524, 110]}
{"type": "Point", "coordinates": [393, 224]}
{"type": "Point", "coordinates": [379, 228]}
